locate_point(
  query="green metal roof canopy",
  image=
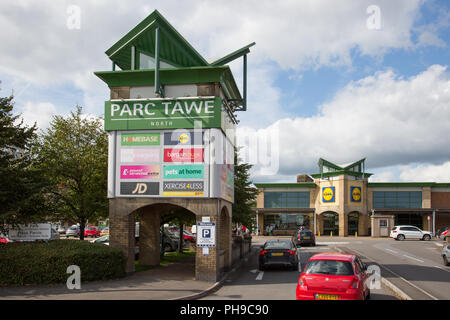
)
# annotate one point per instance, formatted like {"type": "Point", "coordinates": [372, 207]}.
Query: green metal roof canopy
{"type": "Point", "coordinates": [157, 38]}
{"type": "Point", "coordinates": [356, 169]}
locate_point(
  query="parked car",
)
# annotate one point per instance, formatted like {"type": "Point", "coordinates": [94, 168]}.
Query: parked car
{"type": "Point", "coordinates": [73, 231]}
{"type": "Point", "coordinates": [187, 236]}
{"type": "Point", "coordinates": [3, 238]}
{"type": "Point", "coordinates": [92, 232]}
{"type": "Point", "coordinates": [169, 241]}
{"type": "Point", "coordinates": [104, 232]}
{"type": "Point", "coordinates": [444, 235]}
{"type": "Point", "coordinates": [278, 252]}
{"type": "Point", "coordinates": [54, 235]}
{"type": "Point", "coordinates": [304, 237]}
{"type": "Point", "coordinates": [446, 255]}
{"type": "Point", "coordinates": [441, 230]}
{"type": "Point", "coordinates": [409, 232]}
{"type": "Point", "coordinates": [105, 241]}
{"type": "Point", "coordinates": [333, 276]}
{"type": "Point", "coordinates": [61, 230]}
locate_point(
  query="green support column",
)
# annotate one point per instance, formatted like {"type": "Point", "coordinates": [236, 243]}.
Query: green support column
{"type": "Point", "coordinates": [157, 84]}
{"type": "Point", "coordinates": [244, 107]}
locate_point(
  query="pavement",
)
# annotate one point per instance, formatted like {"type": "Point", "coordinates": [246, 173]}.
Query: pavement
{"type": "Point", "coordinates": [174, 281]}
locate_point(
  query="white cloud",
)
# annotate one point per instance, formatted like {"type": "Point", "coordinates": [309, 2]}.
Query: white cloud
{"type": "Point", "coordinates": [388, 119]}
{"type": "Point", "coordinates": [40, 113]}
{"type": "Point", "coordinates": [426, 173]}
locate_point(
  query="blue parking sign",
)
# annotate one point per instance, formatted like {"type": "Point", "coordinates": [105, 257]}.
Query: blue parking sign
{"type": "Point", "coordinates": [206, 233]}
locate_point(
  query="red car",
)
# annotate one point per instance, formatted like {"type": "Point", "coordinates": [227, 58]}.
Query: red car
{"type": "Point", "coordinates": [333, 276]}
{"type": "Point", "coordinates": [92, 232]}
{"type": "Point", "coordinates": [3, 239]}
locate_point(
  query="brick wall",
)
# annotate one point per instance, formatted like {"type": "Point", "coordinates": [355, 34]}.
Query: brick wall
{"type": "Point", "coordinates": [440, 200]}
{"type": "Point", "coordinates": [122, 235]}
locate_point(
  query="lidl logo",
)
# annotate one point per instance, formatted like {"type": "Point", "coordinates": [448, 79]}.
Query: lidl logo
{"type": "Point", "coordinates": [328, 194]}
{"type": "Point", "coordinates": [184, 138]}
{"type": "Point", "coordinates": [356, 194]}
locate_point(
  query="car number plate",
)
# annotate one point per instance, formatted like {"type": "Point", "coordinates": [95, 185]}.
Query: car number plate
{"type": "Point", "coordinates": [306, 237]}
{"type": "Point", "coordinates": [277, 254]}
{"type": "Point", "coordinates": [326, 297]}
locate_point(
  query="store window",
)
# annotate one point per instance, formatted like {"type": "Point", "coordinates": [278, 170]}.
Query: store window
{"type": "Point", "coordinates": [397, 199]}
{"type": "Point", "coordinates": [286, 221]}
{"type": "Point", "coordinates": [286, 200]}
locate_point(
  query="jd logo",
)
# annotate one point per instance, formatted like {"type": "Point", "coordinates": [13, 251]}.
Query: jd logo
{"type": "Point", "coordinates": [140, 188]}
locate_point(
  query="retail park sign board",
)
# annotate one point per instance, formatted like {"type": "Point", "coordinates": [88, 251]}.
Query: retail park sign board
{"type": "Point", "coordinates": [145, 114]}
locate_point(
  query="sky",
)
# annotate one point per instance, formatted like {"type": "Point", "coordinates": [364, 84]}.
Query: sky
{"type": "Point", "coordinates": [340, 80]}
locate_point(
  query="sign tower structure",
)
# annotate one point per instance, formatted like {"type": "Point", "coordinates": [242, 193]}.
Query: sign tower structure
{"type": "Point", "coordinates": [171, 122]}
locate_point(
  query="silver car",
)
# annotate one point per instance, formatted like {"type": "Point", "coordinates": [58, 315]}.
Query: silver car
{"type": "Point", "coordinates": [446, 255]}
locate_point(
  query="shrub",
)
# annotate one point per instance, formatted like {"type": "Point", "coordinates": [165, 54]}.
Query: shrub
{"type": "Point", "coordinates": [47, 262]}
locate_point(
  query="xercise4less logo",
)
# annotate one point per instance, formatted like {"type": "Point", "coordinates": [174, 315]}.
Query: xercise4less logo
{"type": "Point", "coordinates": [328, 194]}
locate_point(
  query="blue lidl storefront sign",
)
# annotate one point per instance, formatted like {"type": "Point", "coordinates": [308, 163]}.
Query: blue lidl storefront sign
{"type": "Point", "coordinates": [328, 194]}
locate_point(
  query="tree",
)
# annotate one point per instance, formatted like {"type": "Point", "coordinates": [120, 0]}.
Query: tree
{"type": "Point", "coordinates": [74, 154]}
{"type": "Point", "coordinates": [244, 194]}
{"type": "Point", "coordinates": [21, 189]}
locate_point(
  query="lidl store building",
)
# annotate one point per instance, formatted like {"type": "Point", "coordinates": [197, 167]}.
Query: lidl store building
{"type": "Point", "coordinates": [340, 201]}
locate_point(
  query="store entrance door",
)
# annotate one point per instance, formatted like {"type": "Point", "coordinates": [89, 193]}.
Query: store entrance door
{"type": "Point", "coordinates": [330, 223]}
{"type": "Point", "coordinates": [353, 220]}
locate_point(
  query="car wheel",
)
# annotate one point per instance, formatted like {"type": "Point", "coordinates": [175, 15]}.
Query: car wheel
{"type": "Point", "coordinates": [427, 237]}
{"type": "Point", "coordinates": [400, 237]}
{"type": "Point", "coordinates": [446, 263]}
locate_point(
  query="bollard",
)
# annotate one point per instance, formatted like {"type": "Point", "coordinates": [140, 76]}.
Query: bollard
{"type": "Point", "coordinates": [319, 233]}
{"type": "Point", "coordinates": [331, 234]}
{"type": "Point", "coordinates": [356, 234]}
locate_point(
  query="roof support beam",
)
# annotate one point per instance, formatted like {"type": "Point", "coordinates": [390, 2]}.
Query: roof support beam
{"type": "Point", "coordinates": [244, 105]}
{"type": "Point", "coordinates": [158, 90]}
{"type": "Point", "coordinates": [133, 58]}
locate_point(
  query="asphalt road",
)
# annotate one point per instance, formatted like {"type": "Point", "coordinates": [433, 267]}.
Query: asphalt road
{"type": "Point", "coordinates": [249, 283]}
{"type": "Point", "coordinates": [414, 266]}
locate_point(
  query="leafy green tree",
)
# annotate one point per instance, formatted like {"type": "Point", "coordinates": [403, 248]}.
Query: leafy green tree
{"type": "Point", "coordinates": [74, 154]}
{"type": "Point", "coordinates": [244, 194]}
{"type": "Point", "coordinates": [21, 196]}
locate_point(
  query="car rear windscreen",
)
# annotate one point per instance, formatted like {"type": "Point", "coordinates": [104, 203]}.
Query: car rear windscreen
{"type": "Point", "coordinates": [278, 245]}
{"type": "Point", "coordinates": [306, 234]}
{"type": "Point", "coordinates": [329, 267]}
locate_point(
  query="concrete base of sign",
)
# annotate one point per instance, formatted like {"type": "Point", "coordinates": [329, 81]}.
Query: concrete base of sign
{"type": "Point", "coordinates": [122, 213]}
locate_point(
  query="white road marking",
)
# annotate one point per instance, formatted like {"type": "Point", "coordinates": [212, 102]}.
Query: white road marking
{"type": "Point", "coordinates": [391, 251]}
{"type": "Point", "coordinates": [260, 276]}
{"type": "Point", "coordinates": [396, 274]}
{"type": "Point", "coordinates": [413, 258]}
{"type": "Point", "coordinates": [330, 243]}
{"type": "Point", "coordinates": [439, 244]}
{"type": "Point", "coordinates": [442, 268]}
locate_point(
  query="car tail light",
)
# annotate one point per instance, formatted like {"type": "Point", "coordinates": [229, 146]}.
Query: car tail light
{"type": "Point", "coordinates": [291, 252]}
{"type": "Point", "coordinates": [395, 231]}
{"type": "Point", "coordinates": [354, 284]}
{"type": "Point", "coordinates": [301, 282]}
{"type": "Point", "coordinates": [263, 252]}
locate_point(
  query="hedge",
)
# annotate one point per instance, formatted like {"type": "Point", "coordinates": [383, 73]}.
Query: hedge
{"type": "Point", "coordinates": [47, 262]}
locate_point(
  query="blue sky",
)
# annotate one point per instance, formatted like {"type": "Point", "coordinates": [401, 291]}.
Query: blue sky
{"type": "Point", "coordinates": [320, 80]}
